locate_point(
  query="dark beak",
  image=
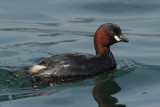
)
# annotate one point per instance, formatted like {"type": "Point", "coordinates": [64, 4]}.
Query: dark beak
{"type": "Point", "coordinates": [123, 39]}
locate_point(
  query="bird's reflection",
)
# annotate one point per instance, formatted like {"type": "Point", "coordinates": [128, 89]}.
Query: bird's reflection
{"type": "Point", "coordinates": [103, 91]}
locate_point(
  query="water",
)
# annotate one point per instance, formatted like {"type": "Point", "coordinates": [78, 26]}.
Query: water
{"type": "Point", "coordinates": [31, 31]}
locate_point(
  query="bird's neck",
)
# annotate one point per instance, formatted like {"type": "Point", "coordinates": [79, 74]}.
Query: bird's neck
{"type": "Point", "coordinates": [102, 42]}
{"type": "Point", "coordinates": [103, 51]}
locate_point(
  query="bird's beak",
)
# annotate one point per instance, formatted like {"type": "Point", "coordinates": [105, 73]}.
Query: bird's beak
{"type": "Point", "coordinates": [121, 38]}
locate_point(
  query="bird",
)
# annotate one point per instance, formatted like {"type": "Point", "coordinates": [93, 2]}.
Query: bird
{"type": "Point", "coordinates": [69, 67]}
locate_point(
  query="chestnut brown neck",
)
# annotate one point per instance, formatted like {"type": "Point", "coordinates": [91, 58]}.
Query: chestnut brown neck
{"type": "Point", "coordinates": [102, 41]}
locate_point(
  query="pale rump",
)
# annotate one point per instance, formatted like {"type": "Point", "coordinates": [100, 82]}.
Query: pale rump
{"type": "Point", "coordinates": [36, 68]}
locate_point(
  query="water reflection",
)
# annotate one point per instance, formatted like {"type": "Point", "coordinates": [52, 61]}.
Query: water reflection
{"type": "Point", "coordinates": [103, 92]}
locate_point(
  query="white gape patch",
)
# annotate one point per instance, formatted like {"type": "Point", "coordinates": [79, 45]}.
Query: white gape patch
{"type": "Point", "coordinates": [117, 38]}
{"type": "Point", "coordinates": [36, 68]}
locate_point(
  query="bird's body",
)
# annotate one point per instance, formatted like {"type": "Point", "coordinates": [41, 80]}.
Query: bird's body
{"type": "Point", "coordinates": [68, 67]}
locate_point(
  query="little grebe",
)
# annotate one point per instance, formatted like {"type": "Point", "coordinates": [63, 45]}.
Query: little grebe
{"type": "Point", "coordinates": [69, 67]}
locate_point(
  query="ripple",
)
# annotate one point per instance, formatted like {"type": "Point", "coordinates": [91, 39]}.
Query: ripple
{"type": "Point", "coordinates": [50, 35]}
{"type": "Point", "coordinates": [142, 34]}
{"type": "Point", "coordinates": [125, 66]}
{"type": "Point", "coordinates": [8, 53]}
{"type": "Point", "coordinates": [121, 7]}
{"type": "Point", "coordinates": [82, 20]}
{"type": "Point", "coordinates": [49, 24]}
{"type": "Point", "coordinates": [50, 32]}
{"type": "Point", "coordinates": [36, 44]}
{"type": "Point", "coordinates": [30, 23]}
{"type": "Point", "coordinates": [148, 68]}
{"type": "Point", "coordinates": [24, 29]}
{"type": "Point", "coordinates": [12, 79]}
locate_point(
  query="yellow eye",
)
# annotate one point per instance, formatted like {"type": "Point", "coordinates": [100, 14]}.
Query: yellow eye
{"type": "Point", "coordinates": [117, 38]}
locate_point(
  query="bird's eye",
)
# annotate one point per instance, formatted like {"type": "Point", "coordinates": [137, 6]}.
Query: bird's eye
{"type": "Point", "coordinates": [111, 33]}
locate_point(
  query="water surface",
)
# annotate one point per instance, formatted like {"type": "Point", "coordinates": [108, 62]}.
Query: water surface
{"type": "Point", "coordinates": [31, 31]}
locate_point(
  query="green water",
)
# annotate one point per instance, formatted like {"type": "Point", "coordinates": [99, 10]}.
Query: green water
{"type": "Point", "coordinates": [31, 31]}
